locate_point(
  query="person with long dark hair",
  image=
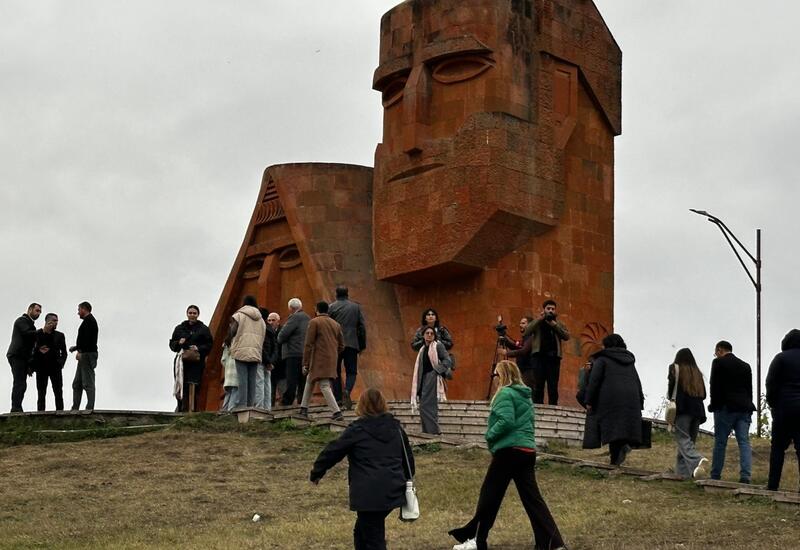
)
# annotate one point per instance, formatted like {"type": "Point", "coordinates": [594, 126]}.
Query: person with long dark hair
{"type": "Point", "coordinates": [690, 412]}
{"type": "Point", "coordinates": [510, 436]}
{"type": "Point", "coordinates": [432, 366]}
{"type": "Point", "coordinates": [431, 319]}
{"type": "Point", "coordinates": [376, 448]}
{"type": "Point", "coordinates": [615, 396]}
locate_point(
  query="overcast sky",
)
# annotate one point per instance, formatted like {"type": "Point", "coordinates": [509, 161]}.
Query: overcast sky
{"type": "Point", "coordinates": [133, 136]}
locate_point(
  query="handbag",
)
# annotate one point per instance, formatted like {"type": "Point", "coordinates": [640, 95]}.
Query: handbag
{"type": "Point", "coordinates": [190, 355]}
{"type": "Point", "coordinates": [409, 511]}
{"type": "Point", "coordinates": [672, 406]}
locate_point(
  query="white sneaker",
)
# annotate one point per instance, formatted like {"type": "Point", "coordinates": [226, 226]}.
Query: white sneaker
{"type": "Point", "coordinates": [468, 545]}
{"type": "Point", "coordinates": [701, 469]}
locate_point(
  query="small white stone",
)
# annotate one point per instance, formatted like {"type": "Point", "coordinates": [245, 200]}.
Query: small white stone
{"type": "Point", "coordinates": [256, 517]}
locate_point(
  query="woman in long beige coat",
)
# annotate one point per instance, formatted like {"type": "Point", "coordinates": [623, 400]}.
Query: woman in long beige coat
{"type": "Point", "coordinates": [324, 342]}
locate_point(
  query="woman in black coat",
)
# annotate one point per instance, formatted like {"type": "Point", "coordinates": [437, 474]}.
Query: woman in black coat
{"type": "Point", "coordinates": [376, 448]}
{"type": "Point", "coordinates": [614, 395]}
{"type": "Point", "coordinates": [193, 335]}
{"type": "Point", "coordinates": [431, 319]}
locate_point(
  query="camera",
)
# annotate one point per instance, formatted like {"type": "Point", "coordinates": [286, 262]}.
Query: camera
{"type": "Point", "coordinates": [550, 316]}
{"type": "Point", "coordinates": [501, 328]}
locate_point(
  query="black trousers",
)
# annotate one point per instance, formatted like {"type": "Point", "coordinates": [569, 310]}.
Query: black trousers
{"type": "Point", "coordinates": [295, 381]}
{"type": "Point", "coordinates": [369, 532]}
{"type": "Point", "coordinates": [508, 464]}
{"type": "Point", "coordinates": [56, 381]}
{"type": "Point", "coordinates": [546, 370]}
{"type": "Point", "coordinates": [19, 372]}
{"type": "Point", "coordinates": [348, 358]}
{"type": "Point", "coordinates": [785, 429]}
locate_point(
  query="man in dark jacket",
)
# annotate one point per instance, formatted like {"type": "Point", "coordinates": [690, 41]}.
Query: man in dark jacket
{"type": "Point", "coordinates": [783, 397]}
{"type": "Point", "coordinates": [291, 338]}
{"type": "Point", "coordinates": [547, 333]}
{"type": "Point", "coordinates": [521, 351]}
{"type": "Point", "coordinates": [49, 356]}
{"type": "Point", "coordinates": [192, 335]}
{"type": "Point", "coordinates": [269, 357]}
{"type": "Point", "coordinates": [23, 338]}
{"type": "Point", "coordinates": [349, 316]}
{"type": "Point", "coordinates": [86, 348]}
{"type": "Point", "coordinates": [732, 404]}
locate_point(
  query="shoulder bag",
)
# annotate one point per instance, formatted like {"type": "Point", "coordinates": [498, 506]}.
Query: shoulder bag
{"type": "Point", "coordinates": [409, 511]}
{"type": "Point", "coordinates": [672, 406]}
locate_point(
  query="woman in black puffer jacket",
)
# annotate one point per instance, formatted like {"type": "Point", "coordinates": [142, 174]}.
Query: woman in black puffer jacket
{"type": "Point", "coordinates": [375, 446]}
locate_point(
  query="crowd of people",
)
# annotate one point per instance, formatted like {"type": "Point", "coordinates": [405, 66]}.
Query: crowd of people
{"type": "Point", "coordinates": [44, 352]}
{"type": "Point", "coordinates": [266, 361]}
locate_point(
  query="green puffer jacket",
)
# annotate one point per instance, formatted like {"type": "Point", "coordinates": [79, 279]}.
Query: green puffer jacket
{"type": "Point", "coordinates": [511, 419]}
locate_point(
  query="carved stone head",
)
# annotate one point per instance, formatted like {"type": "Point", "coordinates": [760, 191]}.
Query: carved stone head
{"type": "Point", "coordinates": [464, 173]}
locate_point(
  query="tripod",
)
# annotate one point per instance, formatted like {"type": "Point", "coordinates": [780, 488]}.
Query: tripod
{"type": "Point", "coordinates": [501, 343]}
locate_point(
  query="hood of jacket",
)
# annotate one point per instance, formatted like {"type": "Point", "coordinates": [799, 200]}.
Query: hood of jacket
{"type": "Point", "coordinates": [791, 340]}
{"type": "Point", "coordinates": [618, 355]}
{"type": "Point", "coordinates": [521, 390]}
{"type": "Point", "coordinates": [383, 428]}
{"type": "Point", "coordinates": [188, 325]}
{"type": "Point", "coordinates": [251, 312]}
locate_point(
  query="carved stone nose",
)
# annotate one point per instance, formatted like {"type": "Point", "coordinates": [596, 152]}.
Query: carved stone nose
{"type": "Point", "coordinates": [416, 110]}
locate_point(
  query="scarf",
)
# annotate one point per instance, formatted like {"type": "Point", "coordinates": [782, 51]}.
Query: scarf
{"type": "Point", "coordinates": [177, 369]}
{"type": "Point", "coordinates": [433, 355]}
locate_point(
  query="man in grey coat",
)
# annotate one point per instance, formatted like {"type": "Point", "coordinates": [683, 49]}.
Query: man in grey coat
{"type": "Point", "coordinates": [292, 338]}
{"type": "Point", "coordinates": [348, 314]}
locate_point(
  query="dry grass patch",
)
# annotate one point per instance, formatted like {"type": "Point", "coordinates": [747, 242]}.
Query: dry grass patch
{"type": "Point", "coordinates": [200, 489]}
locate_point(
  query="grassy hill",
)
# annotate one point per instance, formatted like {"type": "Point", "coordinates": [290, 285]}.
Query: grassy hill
{"type": "Point", "coordinates": [197, 484]}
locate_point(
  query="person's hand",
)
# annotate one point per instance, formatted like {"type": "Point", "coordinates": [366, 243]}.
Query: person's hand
{"type": "Point", "coordinates": [315, 482]}
{"type": "Point", "coordinates": [270, 366]}
{"type": "Point", "coordinates": [182, 341]}
{"type": "Point", "coordinates": [193, 347]}
{"type": "Point", "coordinates": [502, 352]}
{"type": "Point", "coordinates": [78, 356]}
{"type": "Point", "coordinates": [73, 348]}
{"type": "Point", "coordinates": [589, 409]}
{"type": "Point", "coordinates": [44, 349]}
{"type": "Point", "coordinates": [305, 370]}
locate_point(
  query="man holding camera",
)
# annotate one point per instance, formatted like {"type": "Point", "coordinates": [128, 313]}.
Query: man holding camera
{"type": "Point", "coordinates": [520, 350]}
{"type": "Point", "coordinates": [547, 333]}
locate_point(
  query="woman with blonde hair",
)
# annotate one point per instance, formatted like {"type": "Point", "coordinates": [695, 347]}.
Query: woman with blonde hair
{"type": "Point", "coordinates": [510, 435]}
{"type": "Point", "coordinates": [376, 448]}
{"type": "Point", "coordinates": [690, 413]}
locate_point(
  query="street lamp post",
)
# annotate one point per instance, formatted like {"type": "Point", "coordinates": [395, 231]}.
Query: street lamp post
{"type": "Point", "coordinates": [728, 234]}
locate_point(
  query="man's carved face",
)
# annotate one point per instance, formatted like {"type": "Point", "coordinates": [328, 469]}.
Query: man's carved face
{"type": "Point", "coordinates": [457, 162]}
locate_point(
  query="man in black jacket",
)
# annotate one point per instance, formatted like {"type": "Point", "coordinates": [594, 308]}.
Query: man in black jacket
{"type": "Point", "coordinates": [49, 356]}
{"type": "Point", "coordinates": [23, 338]}
{"type": "Point", "coordinates": [783, 397]}
{"type": "Point", "coordinates": [86, 348]}
{"type": "Point", "coordinates": [348, 315]}
{"type": "Point", "coordinates": [732, 405]}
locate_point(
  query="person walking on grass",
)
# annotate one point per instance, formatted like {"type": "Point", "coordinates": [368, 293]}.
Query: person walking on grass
{"type": "Point", "coordinates": [690, 413]}
{"type": "Point", "coordinates": [324, 342]}
{"type": "Point", "coordinates": [732, 404]}
{"type": "Point", "coordinates": [510, 436]}
{"type": "Point", "coordinates": [614, 395]}
{"type": "Point", "coordinates": [375, 446]}
{"type": "Point", "coordinates": [86, 355]}
{"type": "Point", "coordinates": [783, 397]}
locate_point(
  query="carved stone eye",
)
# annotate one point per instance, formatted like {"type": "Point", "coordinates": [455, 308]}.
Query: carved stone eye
{"type": "Point", "coordinates": [461, 68]}
{"type": "Point", "coordinates": [393, 92]}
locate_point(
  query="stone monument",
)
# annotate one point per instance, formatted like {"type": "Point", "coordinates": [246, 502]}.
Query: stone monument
{"type": "Point", "coordinates": [493, 189]}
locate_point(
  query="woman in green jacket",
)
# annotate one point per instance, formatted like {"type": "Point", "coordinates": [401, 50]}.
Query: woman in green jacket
{"type": "Point", "coordinates": [510, 436]}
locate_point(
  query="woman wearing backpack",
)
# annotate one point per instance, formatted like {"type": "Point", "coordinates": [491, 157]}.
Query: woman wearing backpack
{"type": "Point", "coordinates": [510, 435]}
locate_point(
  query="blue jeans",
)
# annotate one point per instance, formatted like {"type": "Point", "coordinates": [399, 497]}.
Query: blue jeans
{"type": "Point", "coordinates": [739, 422]}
